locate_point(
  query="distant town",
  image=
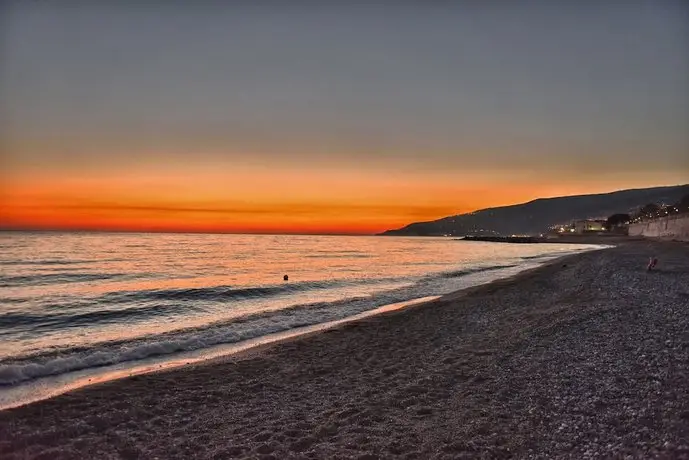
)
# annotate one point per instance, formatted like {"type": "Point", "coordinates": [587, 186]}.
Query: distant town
{"type": "Point", "coordinates": [619, 223]}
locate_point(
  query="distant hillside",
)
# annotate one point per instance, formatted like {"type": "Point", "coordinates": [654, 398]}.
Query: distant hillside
{"type": "Point", "coordinates": [536, 216]}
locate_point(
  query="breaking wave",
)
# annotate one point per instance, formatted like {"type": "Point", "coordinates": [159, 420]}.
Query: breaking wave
{"type": "Point", "coordinates": [60, 361]}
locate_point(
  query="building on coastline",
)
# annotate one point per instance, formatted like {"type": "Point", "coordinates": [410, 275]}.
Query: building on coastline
{"type": "Point", "coordinates": [580, 226]}
{"type": "Point", "coordinates": [588, 225]}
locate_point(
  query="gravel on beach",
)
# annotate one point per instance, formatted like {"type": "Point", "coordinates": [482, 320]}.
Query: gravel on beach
{"type": "Point", "coordinates": [587, 357]}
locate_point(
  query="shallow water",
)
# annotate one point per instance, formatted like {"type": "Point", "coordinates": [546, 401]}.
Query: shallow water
{"type": "Point", "coordinates": [80, 301]}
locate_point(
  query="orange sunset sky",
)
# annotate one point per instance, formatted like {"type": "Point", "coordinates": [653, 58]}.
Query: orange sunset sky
{"type": "Point", "coordinates": [338, 119]}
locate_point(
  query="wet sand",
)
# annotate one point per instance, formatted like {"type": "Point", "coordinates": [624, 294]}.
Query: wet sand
{"type": "Point", "coordinates": [583, 358]}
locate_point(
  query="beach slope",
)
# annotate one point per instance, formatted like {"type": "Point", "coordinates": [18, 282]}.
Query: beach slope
{"type": "Point", "coordinates": [586, 357]}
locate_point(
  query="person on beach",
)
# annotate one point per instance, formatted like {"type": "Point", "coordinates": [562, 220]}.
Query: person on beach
{"type": "Point", "coordinates": [652, 262]}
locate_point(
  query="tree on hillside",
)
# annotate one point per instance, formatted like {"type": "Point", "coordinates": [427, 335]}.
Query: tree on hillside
{"type": "Point", "coordinates": [616, 220]}
{"type": "Point", "coordinates": [650, 209]}
{"type": "Point", "coordinates": [683, 204]}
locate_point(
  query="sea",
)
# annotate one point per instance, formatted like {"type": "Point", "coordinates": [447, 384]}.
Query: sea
{"type": "Point", "coordinates": [79, 308]}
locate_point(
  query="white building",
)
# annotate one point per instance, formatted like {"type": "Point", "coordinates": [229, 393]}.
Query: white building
{"type": "Point", "coordinates": [586, 225]}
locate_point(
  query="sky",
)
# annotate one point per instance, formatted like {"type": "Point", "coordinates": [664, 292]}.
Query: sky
{"type": "Point", "coordinates": [331, 117]}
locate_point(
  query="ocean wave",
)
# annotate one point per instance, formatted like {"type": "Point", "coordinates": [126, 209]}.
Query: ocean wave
{"type": "Point", "coordinates": [543, 256]}
{"type": "Point", "coordinates": [225, 293]}
{"type": "Point", "coordinates": [8, 300]}
{"type": "Point", "coordinates": [469, 271]}
{"type": "Point", "coordinates": [27, 321]}
{"type": "Point", "coordinates": [54, 278]}
{"type": "Point", "coordinates": [135, 306]}
{"type": "Point", "coordinates": [50, 363]}
{"type": "Point", "coordinates": [252, 326]}
{"type": "Point", "coordinates": [338, 256]}
{"type": "Point", "coordinates": [56, 261]}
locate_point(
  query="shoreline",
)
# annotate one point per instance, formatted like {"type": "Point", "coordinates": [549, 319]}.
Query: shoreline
{"type": "Point", "coordinates": [384, 311]}
{"type": "Point", "coordinates": [54, 386]}
{"type": "Point", "coordinates": [201, 357]}
{"type": "Point", "coordinates": [586, 355]}
{"type": "Point", "coordinates": [602, 239]}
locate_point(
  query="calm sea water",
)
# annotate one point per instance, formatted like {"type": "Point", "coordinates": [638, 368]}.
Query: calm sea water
{"type": "Point", "coordinates": [89, 301]}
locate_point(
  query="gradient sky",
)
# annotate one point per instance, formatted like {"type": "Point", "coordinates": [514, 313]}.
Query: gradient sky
{"type": "Point", "coordinates": [331, 116]}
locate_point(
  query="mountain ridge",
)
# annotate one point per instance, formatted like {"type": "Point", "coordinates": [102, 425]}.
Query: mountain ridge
{"type": "Point", "coordinates": [535, 216]}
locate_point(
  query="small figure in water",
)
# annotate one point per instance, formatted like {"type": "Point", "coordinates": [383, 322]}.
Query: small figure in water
{"type": "Point", "coordinates": [285, 277]}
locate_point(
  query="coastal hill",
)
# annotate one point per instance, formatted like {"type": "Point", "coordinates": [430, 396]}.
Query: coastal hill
{"type": "Point", "coordinates": [536, 216]}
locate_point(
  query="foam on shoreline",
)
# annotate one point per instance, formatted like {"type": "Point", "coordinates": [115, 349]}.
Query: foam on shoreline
{"type": "Point", "coordinates": [28, 382]}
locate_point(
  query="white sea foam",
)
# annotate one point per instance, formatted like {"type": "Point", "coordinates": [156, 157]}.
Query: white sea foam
{"type": "Point", "coordinates": [257, 325]}
{"type": "Point", "coordinates": [169, 296]}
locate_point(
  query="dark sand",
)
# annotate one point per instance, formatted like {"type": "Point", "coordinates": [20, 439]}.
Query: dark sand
{"type": "Point", "coordinates": [585, 361]}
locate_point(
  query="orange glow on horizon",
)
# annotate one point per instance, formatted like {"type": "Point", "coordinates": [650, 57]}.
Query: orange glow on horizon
{"type": "Point", "coordinates": [188, 199]}
{"type": "Point", "coordinates": [269, 218]}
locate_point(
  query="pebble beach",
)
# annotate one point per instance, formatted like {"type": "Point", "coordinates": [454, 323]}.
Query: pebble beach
{"type": "Point", "coordinates": [586, 357]}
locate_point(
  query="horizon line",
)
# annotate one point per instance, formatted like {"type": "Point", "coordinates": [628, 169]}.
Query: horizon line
{"type": "Point", "coordinates": [187, 232]}
{"type": "Point", "coordinates": [29, 229]}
